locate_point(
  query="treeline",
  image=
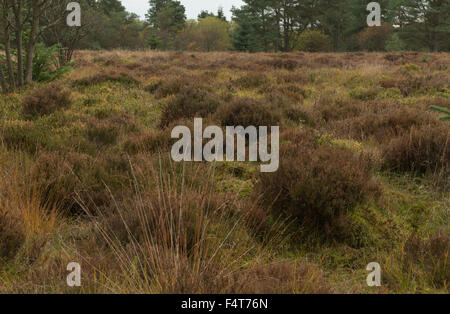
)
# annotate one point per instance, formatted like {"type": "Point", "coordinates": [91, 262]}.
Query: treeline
{"type": "Point", "coordinates": [36, 44]}
{"type": "Point", "coordinates": [278, 25]}
{"type": "Point", "coordinates": [341, 25]}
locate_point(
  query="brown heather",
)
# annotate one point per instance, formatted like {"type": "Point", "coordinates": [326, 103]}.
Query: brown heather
{"type": "Point", "coordinates": [46, 100]}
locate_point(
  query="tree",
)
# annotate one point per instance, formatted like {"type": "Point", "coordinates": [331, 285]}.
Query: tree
{"type": "Point", "coordinates": [314, 41]}
{"type": "Point", "coordinates": [220, 14]}
{"type": "Point", "coordinates": [110, 6]}
{"type": "Point", "coordinates": [425, 23]}
{"type": "Point", "coordinates": [18, 14]}
{"type": "Point", "coordinates": [2, 78]}
{"type": "Point", "coordinates": [244, 39]}
{"type": "Point", "coordinates": [213, 34]}
{"type": "Point", "coordinates": [167, 17]}
{"type": "Point", "coordinates": [375, 38]}
{"type": "Point", "coordinates": [68, 38]}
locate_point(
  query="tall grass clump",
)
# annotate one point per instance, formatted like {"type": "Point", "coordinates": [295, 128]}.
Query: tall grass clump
{"type": "Point", "coordinates": [424, 150]}
{"type": "Point", "coordinates": [27, 218]}
{"type": "Point", "coordinates": [177, 235]}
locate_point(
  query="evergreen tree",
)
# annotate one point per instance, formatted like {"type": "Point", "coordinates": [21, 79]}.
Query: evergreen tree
{"type": "Point", "coordinates": [244, 39]}
{"type": "Point", "coordinates": [167, 18]}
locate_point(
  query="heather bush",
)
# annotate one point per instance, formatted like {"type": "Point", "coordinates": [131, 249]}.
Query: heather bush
{"type": "Point", "coordinates": [248, 112]}
{"type": "Point", "coordinates": [319, 186]}
{"type": "Point", "coordinates": [252, 80]}
{"type": "Point", "coordinates": [46, 100]}
{"type": "Point", "coordinates": [152, 142]}
{"type": "Point", "coordinates": [170, 86]}
{"type": "Point", "coordinates": [421, 150]}
{"type": "Point", "coordinates": [190, 102]}
{"type": "Point", "coordinates": [382, 122]}
{"type": "Point", "coordinates": [103, 131]}
{"type": "Point", "coordinates": [26, 136]}
{"type": "Point", "coordinates": [281, 63]}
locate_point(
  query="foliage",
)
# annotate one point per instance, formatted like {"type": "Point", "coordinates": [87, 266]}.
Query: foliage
{"type": "Point", "coordinates": [46, 100]}
{"type": "Point", "coordinates": [375, 38]}
{"type": "Point", "coordinates": [442, 110]}
{"type": "Point", "coordinates": [46, 64]}
{"type": "Point", "coordinates": [314, 41]}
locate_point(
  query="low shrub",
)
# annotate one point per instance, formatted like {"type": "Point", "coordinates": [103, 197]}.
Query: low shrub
{"type": "Point", "coordinates": [46, 100]}
{"type": "Point", "coordinates": [281, 63]}
{"type": "Point", "coordinates": [431, 254]}
{"type": "Point", "coordinates": [26, 136]}
{"type": "Point", "coordinates": [251, 80]}
{"type": "Point", "coordinates": [248, 112]}
{"type": "Point", "coordinates": [103, 131]}
{"type": "Point", "coordinates": [151, 142]}
{"type": "Point", "coordinates": [421, 150]}
{"type": "Point", "coordinates": [170, 86]}
{"type": "Point", "coordinates": [317, 185]}
{"type": "Point", "coordinates": [190, 102]}
{"type": "Point", "coordinates": [382, 122]}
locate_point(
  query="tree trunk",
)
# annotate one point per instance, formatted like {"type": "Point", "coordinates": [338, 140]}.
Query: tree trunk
{"type": "Point", "coordinates": [2, 79]}
{"type": "Point", "coordinates": [7, 42]}
{"type": "Point", "coordinates": [36, 7]}
{"type": "Point", "coordinates": [19, 40]}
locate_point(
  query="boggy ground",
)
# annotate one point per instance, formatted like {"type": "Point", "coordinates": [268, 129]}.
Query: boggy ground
{"type": "Point", "coordinates": [364, 176]}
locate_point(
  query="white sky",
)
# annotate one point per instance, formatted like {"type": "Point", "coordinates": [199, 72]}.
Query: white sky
{"type": "Point", "coordinates": [193, 7]}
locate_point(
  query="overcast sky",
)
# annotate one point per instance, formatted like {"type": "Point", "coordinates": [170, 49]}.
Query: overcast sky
{"type": "Point", "coordinates": [193, 7]}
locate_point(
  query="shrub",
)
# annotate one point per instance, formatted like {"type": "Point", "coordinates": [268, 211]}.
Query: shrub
{"type": "Point", "coordinates": [432, 254]}
{"type": "Point", "coordinates": [169, 87]}
{"type": "Point", "coordinates": [382, 122]}
{"type": "Point", "coordinates": [187, 239]}
{"type": "Point", "coordinates": [364, 93]}
{"type": "Point", "coordinates": [151, 142]}
{"type": "Point", "coordinates": [248, 112]}
{"type": "Point", "coordinates": [188, 103]}
{"type": "Point", "coordinates": [317, 185]}
{"type": "Point", "coordinates": [106, 76]}
{"type": "Point", "coordinates": [45, 63]}
{"type": "Point", "coordinates": [423, 149]}
{"type": "Point", "coordinates": [314, 41]}
{"type": "Point", "coordinates": [252, 80]}
{"type": "Point", "coordinates": [280, 63]}
{"type": "Point", "coordinates": [26, 136]}
{"type": "Point", "coordinates": [46, 100]}
{"type": "Point", "coordinates": [375, 38]}
{"type": "Point", "coordinates": [102, 131]}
